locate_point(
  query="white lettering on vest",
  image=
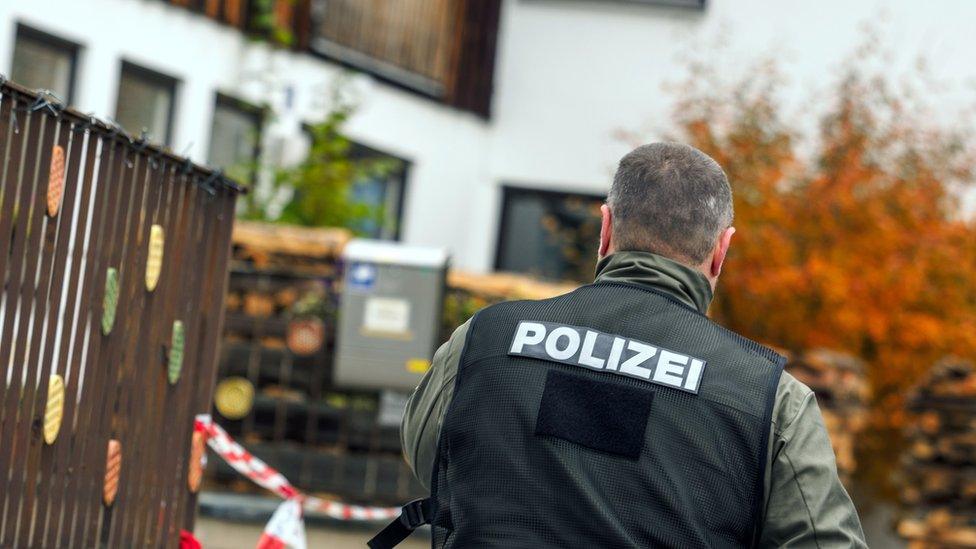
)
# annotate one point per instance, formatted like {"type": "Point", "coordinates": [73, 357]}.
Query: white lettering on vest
{"type": "Point", "coordinates": [632, 365]}
{"type": "Point", "coordinates": [694, 374]}
{"type": "Point", "coordinates": [615, 351]}
{"type": "Point", "coordinates": [552, 343]}
{"type": "Point", "coordinates": [670, 368]}
{"type": "Point", "coordinates": [527, 333]}
{"type": "Point", "coordinates": [586, 355]}
{"type": "Point", "coordinates": [586, 347]}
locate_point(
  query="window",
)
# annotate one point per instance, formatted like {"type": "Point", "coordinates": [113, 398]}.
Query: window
{"type": "Point", "coordinates": [146, 101]}
{"type": "Point", "coordinates": [382, 191]}
{"type": "Point", "coordinates": [549, 234]}
{"type": "Point", "coordinates": [381, 186]}
{"type": "Point", "coordinates": [694, 4]}
{"type": "Point", "coordinates": [42, 61]}
{"type": "Point", "coordinates": [235, 138]}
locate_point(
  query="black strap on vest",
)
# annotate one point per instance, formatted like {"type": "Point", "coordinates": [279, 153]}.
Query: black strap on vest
{"type": "Point", "coordinates": [412, 516]}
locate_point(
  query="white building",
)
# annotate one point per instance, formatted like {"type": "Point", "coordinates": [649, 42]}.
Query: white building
{"type": "Point", "coordinates": [562, 78]}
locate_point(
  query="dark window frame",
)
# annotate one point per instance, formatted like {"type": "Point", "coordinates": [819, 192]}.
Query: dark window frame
{"type": "Point", "coordinates": [156, 77]}
{"type": "Point", "coordinates": [696, 5]}
{"type": "Point", "coordinates": [688, 4]}
{"type": "Point", "coordinates": [381, 70]}
{"type": "Point", "coordinates": [259, 112]}
{"type": "Point", "coordinates": [508, 190]}
{"type": "Point", "coordinates": [362, 149]}
{"type": "Point", "coordinates": [73, 48]}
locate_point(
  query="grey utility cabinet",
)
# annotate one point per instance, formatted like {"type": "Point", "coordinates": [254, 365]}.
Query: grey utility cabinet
{"type": "Point", "coordinates": [389, 314]}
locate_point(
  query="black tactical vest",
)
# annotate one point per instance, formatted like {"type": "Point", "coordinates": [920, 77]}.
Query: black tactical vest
{"type": "Point", "coordinates": [613, 416]}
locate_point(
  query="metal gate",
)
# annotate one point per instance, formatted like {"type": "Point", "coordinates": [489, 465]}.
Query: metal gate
{"type": "Point", "coordinates": [113, 260]}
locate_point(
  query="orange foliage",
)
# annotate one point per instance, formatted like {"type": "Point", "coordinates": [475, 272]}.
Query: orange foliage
{"type": "Point", "coordinates": [857, 244]}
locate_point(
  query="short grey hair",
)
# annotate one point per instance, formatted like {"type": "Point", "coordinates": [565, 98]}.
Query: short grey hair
{"type": "Point", "coordinates": [670, 199]}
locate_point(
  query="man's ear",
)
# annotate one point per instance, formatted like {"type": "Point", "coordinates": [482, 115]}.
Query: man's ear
{"type": "Point", "coordinates": [720, 251]}
{"type": "Point", "coordinates": [606, 228]}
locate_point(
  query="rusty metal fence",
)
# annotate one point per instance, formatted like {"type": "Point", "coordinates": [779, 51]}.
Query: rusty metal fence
{"type": "Point", "coordinates": [113, 258]}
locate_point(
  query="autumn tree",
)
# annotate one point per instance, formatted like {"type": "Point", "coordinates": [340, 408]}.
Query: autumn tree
{"type": "Point", "coordinates": [853, 238]}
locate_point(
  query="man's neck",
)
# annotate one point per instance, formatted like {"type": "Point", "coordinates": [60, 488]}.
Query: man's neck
{"type": "Point", "coordinates": [684, 283]}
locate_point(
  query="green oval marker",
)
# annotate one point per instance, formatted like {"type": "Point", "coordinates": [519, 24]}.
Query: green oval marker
{"type": "Point", "coordinates": [176, 352]}
{"type": "Point", "coordinates": [111, 300]}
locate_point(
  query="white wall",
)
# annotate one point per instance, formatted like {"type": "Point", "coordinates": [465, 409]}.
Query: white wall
{"type": "Point", "coordinates": [570, 74]}
{"type": "Point", "coordinates": [443, 144]}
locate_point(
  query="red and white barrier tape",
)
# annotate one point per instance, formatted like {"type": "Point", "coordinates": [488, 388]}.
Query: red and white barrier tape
{"type": "Point", "coordinates": [285, 529]}
{"type": "Point", "coordinates": [263, 475]}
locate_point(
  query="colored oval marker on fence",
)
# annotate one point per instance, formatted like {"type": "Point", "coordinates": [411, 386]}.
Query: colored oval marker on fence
{"type": "Point", "coordinates": [234, 397]}
{"type": "Point", "coordinates": [195, 474]}
{"type": "Point", "coordinates": [154, 263]}
{"type": "Point", "coordinates": [54, 410]}
{"type": "Point", "coordinates": [113, 468]}
{"type": "Point", "coordinates": [55, 181]}
{"type": "Point", "coordinates": [176, 352]}
{"type": "Point", "coordinates": [305, 336]}
{"type": "Point", "coordinates": [111, 300]}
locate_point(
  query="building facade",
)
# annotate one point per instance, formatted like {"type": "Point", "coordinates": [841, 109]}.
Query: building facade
{"type": "Point", "coordinates": [504, 115]}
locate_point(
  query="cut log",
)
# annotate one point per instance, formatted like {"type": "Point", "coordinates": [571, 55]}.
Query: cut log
{"type": "Point", "coordinates": [940, 468]}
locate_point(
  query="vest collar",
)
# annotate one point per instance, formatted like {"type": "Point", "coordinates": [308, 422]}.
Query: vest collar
{"type": "Point", "coordinates": [646, 269]}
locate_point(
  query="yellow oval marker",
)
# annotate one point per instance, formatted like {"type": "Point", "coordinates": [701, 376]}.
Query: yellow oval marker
{"type": "Point", "coordinates": [234, 397]}
{"type": "Point", "coordinates": [154, 263]}
{"type": "Point", "coordinates": [54, 410]}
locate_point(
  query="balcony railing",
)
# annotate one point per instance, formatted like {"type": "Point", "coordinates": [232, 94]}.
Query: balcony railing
{"type": "Point", "coordinates": [406, 39]}
{"type": "Point", "coordinates": [444, 49]}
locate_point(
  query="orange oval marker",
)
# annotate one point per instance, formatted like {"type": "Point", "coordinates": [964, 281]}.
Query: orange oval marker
{"type": "Point", "coordinates": [55, 181]}
{"type": "Point", "coordinates": [195, 473]}
{"type": "Point", "coordinates": [113, 468]}
{"type": "Point", "coordinates": [54, 410]}
{"type": "Point", "coordinates": [305, 336]}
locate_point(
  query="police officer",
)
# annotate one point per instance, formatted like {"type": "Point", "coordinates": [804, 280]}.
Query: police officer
{"type": "Point", "coordinates": [619, 415]}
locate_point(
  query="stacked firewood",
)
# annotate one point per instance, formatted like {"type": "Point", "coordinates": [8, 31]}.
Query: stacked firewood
{"type": "Point", "coordinates": [285, 282]}
{"type": "Point", "coordinates": [842, 393]}
{"type": "Point", "coordinates": [940, 464]}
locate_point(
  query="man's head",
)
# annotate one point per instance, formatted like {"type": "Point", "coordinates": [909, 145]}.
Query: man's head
{"type": "Point", "coordinates": [673, 200]}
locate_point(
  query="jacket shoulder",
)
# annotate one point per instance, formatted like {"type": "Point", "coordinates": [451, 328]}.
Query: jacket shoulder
{"type": "Point", "coordinates": [791, 396]}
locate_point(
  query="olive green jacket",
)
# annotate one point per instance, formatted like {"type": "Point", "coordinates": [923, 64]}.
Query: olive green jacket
{"type": "Point", "coordinates": [805, 503]}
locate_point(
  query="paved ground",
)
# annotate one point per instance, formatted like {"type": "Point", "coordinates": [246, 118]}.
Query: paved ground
{"type": "Point", "coordinates": [230, 521]}
{"type": "Point", "coordinates": [235, 521]}
{"type": "Point", "coordinates": [225, 534]}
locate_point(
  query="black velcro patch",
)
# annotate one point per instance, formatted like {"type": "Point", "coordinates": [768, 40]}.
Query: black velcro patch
{"type": "Point", "coordinates": [602, 415]}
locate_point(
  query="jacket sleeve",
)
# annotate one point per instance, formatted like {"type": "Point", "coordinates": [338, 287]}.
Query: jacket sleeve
{"type": "Point", "coordinates": [807, 505]}
{"type": "Point", "coordinates": [421, 425]}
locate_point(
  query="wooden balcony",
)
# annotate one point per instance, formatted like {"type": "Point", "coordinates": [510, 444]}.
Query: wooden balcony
{"type": "Point", "coordinates": [442, 49]}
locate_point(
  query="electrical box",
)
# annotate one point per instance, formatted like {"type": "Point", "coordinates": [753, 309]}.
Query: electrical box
{"type": "Point", "coordinates": [389, 314]}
